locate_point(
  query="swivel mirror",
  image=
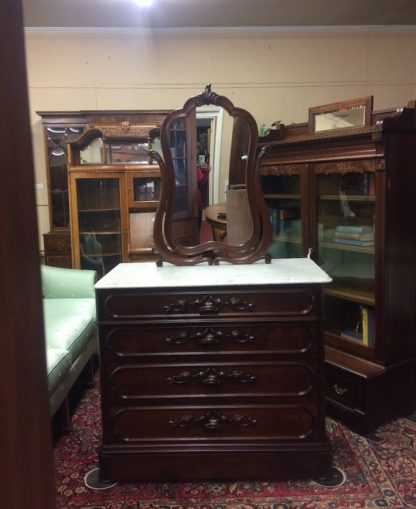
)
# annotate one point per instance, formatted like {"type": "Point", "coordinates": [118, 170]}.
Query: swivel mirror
{"type": "Point", "coordinates": [241, 218]}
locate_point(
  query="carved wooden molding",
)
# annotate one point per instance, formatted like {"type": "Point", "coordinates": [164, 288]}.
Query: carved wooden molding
{"type": "Point", "coordinates": [126, 130]}
{"type": "Point", "coordinates": [208, 337]}
{"type": "Point", "coordinates": [346, 166]}
{"type": "Point", "coordinates": [212, 421]}
{"type": "Point", "coordinates": [208, 305]}
{"type": "Point", "coordinates": [212, 376]}
{"type": "Point", "coordinates": [281, 169]}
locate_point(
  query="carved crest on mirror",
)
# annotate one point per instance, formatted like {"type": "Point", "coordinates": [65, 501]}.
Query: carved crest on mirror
{"type": "Point", "coordinates": [241, 216]}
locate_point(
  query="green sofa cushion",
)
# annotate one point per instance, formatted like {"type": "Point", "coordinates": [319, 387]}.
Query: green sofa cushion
{"type": "Point", "coordinates": [69, 323]}
{"type": "Point", "coordinates": [59, 282]}
{"type": "Point", "coordinates": [58, 364]}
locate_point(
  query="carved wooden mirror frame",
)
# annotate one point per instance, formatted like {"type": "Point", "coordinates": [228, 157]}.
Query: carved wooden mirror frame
{"type": "Point", "coordinates": [212, 251]}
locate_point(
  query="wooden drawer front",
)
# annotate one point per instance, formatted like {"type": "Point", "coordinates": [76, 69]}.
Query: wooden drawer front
{"type": "Point", "coordinates": [276, 338]}
{"type": "Point", "coordinates": [342, 387]}
{"type": "Point", "coordinates": [57, 244]}
{"type": "Point", "coordinates": [288, 302]}
{"type": "Point", "coordinates": [266, 423]}
{"type": "Point", "coordinates": [209, 379]}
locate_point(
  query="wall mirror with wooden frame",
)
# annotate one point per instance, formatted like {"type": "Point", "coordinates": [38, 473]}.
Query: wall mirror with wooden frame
{"type": "Point", "coordinates": [241, 213]}
{"type": "Point", "coordinates": [343, 115]}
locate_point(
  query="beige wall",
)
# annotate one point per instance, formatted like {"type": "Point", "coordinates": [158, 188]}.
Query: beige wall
{"type": "Point", "coordinates": [274, 75]}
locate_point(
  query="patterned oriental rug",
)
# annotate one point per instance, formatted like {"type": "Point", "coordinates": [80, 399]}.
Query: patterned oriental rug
{"type": "Point", "coordinates": [374, 472]}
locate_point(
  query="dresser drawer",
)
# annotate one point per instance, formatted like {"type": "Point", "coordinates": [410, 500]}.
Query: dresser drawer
{"type": "Point", "coordinates": [208, 380]}
{"type": "Point", "coordinates": [135, 341]}
{"type": "Point", "coordinates": [259, 423]}
{"type": "Point", "coordinates": [285, 302]}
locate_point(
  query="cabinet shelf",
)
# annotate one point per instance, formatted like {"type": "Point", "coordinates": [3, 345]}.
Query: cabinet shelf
{"type": "Point", "coordinates": [140, 205]}
{"type": "Point", "coordinates": [100, 233]}
{"type": "Point", "coordinates": [348, 197]}
{"type": "Point", "coordinates": [99, 211]}
{"type": "Point", "coordinates": [282, 196]}
{"type": "Point", "coordinates": [293, 239]}
{"type": "Point", "coordinates": [100, 255]}
{"type": "Point", "coordinates": [346, 292]}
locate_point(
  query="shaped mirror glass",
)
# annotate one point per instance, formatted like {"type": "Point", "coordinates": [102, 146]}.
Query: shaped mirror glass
{"type": "Point", "coordinates": [238, 222]}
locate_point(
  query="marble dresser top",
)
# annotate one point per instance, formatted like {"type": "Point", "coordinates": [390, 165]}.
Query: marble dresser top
{"type": "Point", "coordinates": [279, 271]}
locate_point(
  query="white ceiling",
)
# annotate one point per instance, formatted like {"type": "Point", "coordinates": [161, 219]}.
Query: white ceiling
{"type": "Point", "coordinates": [218, 13]}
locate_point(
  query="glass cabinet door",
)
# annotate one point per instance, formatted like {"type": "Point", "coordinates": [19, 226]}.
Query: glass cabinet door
{"type": "Point", "coordinates": [181, 158]}
{"type": "Point", "coordinates": [346, 247]}
{"type": "Point", "coordinates": [57, 139]}
{"type": "Point", "coordinates": [283, 199]}
{"type": "Point", "coordinates": [99, 223]}
{"type": "Point", "coordinates": [144, 190]}
{"type": "Point", "coordinates": [143, 196]}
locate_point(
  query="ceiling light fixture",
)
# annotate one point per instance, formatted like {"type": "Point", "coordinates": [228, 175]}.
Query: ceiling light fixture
{"type": "Point", "coordinates": [144, 3]}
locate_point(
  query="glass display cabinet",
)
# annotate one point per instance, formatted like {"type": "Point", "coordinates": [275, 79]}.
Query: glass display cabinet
{"type": "Point", "coordinates": [114, 191]}
{"type": "Point", "coordinates": [342, 189]}
{"type": "Point", "coordinates": [282, 193]}
{"type": "Point", "coordinates": [63, 127]}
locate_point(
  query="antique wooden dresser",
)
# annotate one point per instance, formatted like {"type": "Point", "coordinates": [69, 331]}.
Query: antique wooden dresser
{"type": "Point", "coordinates": [212, 372]}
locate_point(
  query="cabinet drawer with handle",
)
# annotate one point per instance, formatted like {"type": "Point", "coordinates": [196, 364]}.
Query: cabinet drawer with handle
{"type": "Point", "coordinates": [342, 388]}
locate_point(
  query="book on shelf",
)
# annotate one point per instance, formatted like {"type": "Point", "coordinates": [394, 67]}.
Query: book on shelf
{"type": "Point", "coordinates": [283, 219]}
{"type": "Point", "coordinates": [355, 236]}
{"type": "Point", "coordinates": [372, 184]}
{"type": "Point", "coordinates": [354, 242]}
{"type": "Point", "coordinates": [364, 322]}
{"type": "Point", "coordinates": [273, 219]}
{"type": "Point", "coordinates": [360, 229]}
{"type": "Point", "coordinates": [367, 317]}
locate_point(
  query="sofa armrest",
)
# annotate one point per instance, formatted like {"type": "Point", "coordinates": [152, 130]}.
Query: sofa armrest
{"type": "Point", "coordinates": [58, 282]}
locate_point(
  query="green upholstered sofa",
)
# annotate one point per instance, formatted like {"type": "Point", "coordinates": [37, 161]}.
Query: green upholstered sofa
{"type": "Point", "coordinates": [70, 327]}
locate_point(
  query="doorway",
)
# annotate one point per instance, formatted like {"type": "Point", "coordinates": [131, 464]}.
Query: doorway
{"type": "Point", "coordinates": [209, 124]}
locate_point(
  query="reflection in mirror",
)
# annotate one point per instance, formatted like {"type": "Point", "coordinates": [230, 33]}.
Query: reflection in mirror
{"type": "Point", "coordinates": [342, 115]}
{"type": "Point", "coordinates": [238, 224]}
{"type": "Point", "coordinates": [350, 117]}
{"type": "Point", "coordinates": [129, 152]}
{"type": "Point", "coordinates": [93, 153]}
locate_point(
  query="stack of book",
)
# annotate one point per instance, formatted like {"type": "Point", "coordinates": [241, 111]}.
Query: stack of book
{"type": "Point", "coordinates": [354, 235]}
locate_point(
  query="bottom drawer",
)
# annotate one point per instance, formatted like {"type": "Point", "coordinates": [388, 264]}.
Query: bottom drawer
{"type": "Point", "coordinates": [343, 387]}
{"type": "Point", "coordinates": [213, 423]}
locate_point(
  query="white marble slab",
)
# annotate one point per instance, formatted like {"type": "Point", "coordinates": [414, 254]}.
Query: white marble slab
{"type": "Point", "coordinates": [148, 275]}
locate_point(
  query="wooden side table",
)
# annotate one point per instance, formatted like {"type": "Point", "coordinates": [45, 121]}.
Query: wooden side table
{"type": "Point", "coordinates": [218, 224]}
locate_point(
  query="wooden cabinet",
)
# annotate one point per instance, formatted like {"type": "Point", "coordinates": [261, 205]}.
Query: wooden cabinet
{"type": "Point", "coordinates": [212, 372]}
{"type": "Point", "coordinates": [114, 191]}
{"type": "Point", "coordinates": [348, 195]}
{"type": "Point", "coordinates": [61, 127]}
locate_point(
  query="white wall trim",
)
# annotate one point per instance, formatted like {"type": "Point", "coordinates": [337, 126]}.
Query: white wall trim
{"type": "Point", "coordinates": [224, 31]}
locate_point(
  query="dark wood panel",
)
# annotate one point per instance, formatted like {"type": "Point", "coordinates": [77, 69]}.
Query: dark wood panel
{"type": "Point", "coordinates": [125, 341]}
{"type": "Point", "coordinates": [150, 304]}
{"type": "Point", "coordinates": [180, 381]}
{"type": "Point", "coordinates": [223, 463]}
{"type": "Point", "coordinates": [215, 424]}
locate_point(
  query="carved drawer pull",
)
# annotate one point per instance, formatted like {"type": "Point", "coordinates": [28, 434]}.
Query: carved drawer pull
{"type": "Point", "coordinates": [209, 337]}
{"type": "Point", "coordinates": [340, 390]}
{"type": "Point", "coordinates": [208, 305]}
{"type": "Point", "coordinates": [212, 376]}
{"type": "Point", "coordinates": [212, 421]}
